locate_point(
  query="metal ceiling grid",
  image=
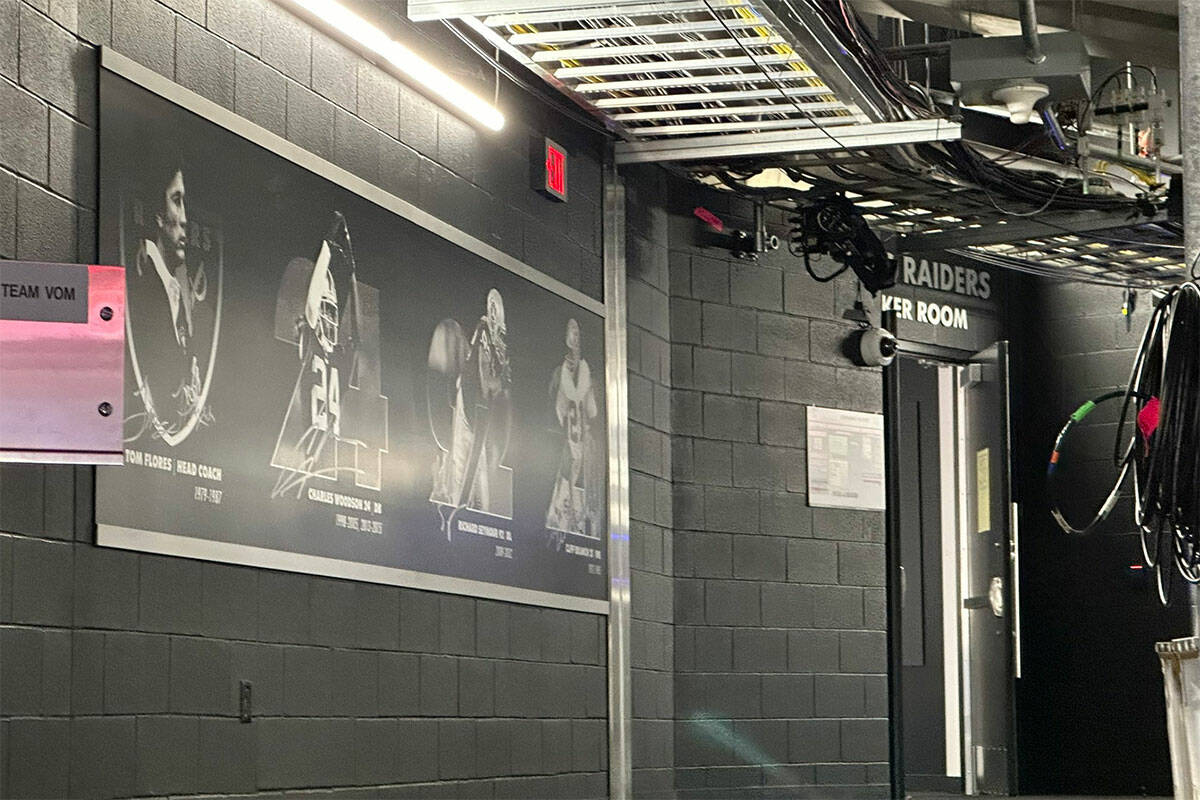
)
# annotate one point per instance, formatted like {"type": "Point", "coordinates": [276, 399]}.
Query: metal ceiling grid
{"type": "Point", "coordinates": [1090, 245]}
{"type": "Point", "coordinates": [709, 85]}
{"type": "Point", "coordinates": [1110, 256]}
{"type": "Point", "coordinates": [1104, 248]}
{"type": "Point", "coordinates": [920, 214]}
{"type": "Point", "coordinates": [664, 74]}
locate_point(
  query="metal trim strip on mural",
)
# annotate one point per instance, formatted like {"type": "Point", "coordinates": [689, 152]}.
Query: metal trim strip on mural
{"type": "Point", "coordinates": [247, 555]}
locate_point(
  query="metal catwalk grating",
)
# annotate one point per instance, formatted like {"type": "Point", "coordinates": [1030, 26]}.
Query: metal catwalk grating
{"type": "Point", "coordinates": [914, 215]}
{"type": "Point", "coordinates": [1094, 246]}
{"type": "Point", "coordinates": [680, 68]}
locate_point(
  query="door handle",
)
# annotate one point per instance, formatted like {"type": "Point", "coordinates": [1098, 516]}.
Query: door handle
{"type": "Point", "coordinates": [1015, 572]}
{"type": "Point", "coordinates": [992, 601]}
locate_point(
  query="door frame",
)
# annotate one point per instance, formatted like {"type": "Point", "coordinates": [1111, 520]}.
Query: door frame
{"type": "Point", "coordinates": [947, 356]}
{"type": "Point", "coordinates": [968, 376]}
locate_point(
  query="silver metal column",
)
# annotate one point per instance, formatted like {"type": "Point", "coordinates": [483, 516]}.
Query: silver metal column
{"type": "Point", "coordinates": [620, 724]}
{"type": "Point", "coordinates": [970, 755]}
{"type": "Point", "coordinates": [1189, 135]}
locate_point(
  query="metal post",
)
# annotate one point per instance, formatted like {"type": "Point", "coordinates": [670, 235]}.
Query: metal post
{"type": "Point", "coordinates": [892, 467]}
{"type": "Point", "coordinates": [1189, 136]}
{"type": "Point", "coordinates": [620, 717]}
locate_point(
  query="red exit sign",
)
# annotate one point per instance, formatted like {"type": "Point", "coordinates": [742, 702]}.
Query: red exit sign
{"type": "Point", "coordinates": [556, 170]}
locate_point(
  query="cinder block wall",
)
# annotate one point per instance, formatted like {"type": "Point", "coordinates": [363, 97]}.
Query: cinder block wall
{"type": "Point", "coordinates": [757, 649]}
{"type": "Point", "coordinates": [119, 671]}
{"type": "Point", "coordinates": [1089, 622]}
{"type": "Point", "coordinates": [780, 655]}
{"type": "Point", "coordinates": [651, 539]}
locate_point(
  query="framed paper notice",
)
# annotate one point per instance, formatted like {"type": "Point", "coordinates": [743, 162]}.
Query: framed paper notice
{"type": "Point", "coordinates": [845, 459]}
{"type": "Point", "coordinates": [983, 491]}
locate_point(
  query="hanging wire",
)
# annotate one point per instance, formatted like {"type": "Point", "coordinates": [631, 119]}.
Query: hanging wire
{"type": "Point", "coordinates": [1161, 404]}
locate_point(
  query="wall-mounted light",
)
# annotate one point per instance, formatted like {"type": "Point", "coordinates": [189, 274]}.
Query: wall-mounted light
{"type": "Point", "coordinates": [437, 83]}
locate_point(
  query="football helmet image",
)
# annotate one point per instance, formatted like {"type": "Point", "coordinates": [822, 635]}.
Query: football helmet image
{"type": "Point", "coordinates": [572, 341]}
{"type": "Point", "coordinates": [495, 315]}
{"type": "Point", "coordinates": [572, 337]}
{"type": "Point", "coordinates": [321, 305]}
{"type": "Point", "coordinates": [335, 426]}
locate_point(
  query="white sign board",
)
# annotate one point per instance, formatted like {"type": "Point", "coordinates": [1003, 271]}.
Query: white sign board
{"type": "Point", "coordinates": [845, 459]}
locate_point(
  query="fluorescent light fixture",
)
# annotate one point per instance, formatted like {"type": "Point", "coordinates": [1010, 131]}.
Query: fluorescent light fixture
{"type": "Point", "coordinates": [440, 85]}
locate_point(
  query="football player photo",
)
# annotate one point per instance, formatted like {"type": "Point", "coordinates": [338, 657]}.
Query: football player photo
{"type": "Point", "coordinates": [471, 419]}
{"type": "Point", "coordinates": [173, 309]}
{"type": "Point", "coordinates": [574, 501]}
{"type": "Point", "coordinates": [335, 425]}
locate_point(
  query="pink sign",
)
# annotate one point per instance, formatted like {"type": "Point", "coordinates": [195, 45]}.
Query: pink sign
{"type": "Point", "coordinates": [62, 362]}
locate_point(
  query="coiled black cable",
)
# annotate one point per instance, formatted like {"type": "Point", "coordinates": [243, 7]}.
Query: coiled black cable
{"type": "Point", "coordinates": [1052, 473]}
{"type": "Point", "coordinates": [1166, 489]}
{"type": "Point", "coordinates": [1163, 452]}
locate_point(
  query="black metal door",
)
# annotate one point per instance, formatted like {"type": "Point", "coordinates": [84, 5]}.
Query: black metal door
{"type": "Point", "coordinates": [985, 529]}
{"type": "Point", "coordinates": [921, 587]}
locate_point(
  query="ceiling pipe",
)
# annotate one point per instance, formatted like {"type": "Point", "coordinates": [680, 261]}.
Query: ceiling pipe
{"type": "Point", "coordinates": [1029, 31]}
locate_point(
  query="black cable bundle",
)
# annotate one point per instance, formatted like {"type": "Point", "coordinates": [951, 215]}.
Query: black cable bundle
{"type": "Point", "coordinates": [1063, 193]}
{"type": "Point", "coordinates": [834, 226]}
{"type": "Point", "coordinates": [1114, 494]}
{"type": "Point", "coordinates": [1167, 466]}
{"type": "Point", "coordinates": [855, 37]}
{"type": "Point", "coordinates": [1162, 403]}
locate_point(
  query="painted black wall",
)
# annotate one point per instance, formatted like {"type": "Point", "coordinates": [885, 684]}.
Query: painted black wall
{"type": "Point", "coordinates": [923, 641]}
{"type": "Point", "coordinates": [1091, 716]}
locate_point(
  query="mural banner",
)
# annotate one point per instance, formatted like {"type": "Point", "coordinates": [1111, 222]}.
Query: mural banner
{"type": "Point", "coordinates": [320, 383]}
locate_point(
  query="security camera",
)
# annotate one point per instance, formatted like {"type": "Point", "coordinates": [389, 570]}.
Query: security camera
{"type": "Point", "coordinates": [872, 347]}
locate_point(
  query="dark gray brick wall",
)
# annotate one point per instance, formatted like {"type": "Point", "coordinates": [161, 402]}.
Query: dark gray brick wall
{"type": "Point", "coordinates": [1076, 345]}
{"type": "Point", "coordinates": [119, 671]}
{"type": "Point", "coordinates": [780, 658]}
{"type": "Point", "coordinates": [143, 699]}
{"type": "Point", "coordinates": [651, 456]}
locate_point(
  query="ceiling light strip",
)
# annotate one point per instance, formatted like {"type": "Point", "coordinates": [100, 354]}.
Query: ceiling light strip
{"type": "Point", "coordinates": [695, 80]}
{"type": "Point", "coordinates": [760, 125]}
{"type": "Point", "coordinates": [796, 140]}
{"type": "Point", "coordinates": [437, 83]}
{"type": "Point", "coordinates": [726, 111]}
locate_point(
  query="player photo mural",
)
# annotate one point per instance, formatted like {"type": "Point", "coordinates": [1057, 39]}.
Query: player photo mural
{"type": "Point", "coordinates": [576, 502]}
{"type": "Point", "coordinates": [321, 378]}
{"type": "Point", "coordinates": [173, 311]}
{"type": "Point", "coordinates": [335, 426]}
{"type": "Point", "coordinates": [471, 416]}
